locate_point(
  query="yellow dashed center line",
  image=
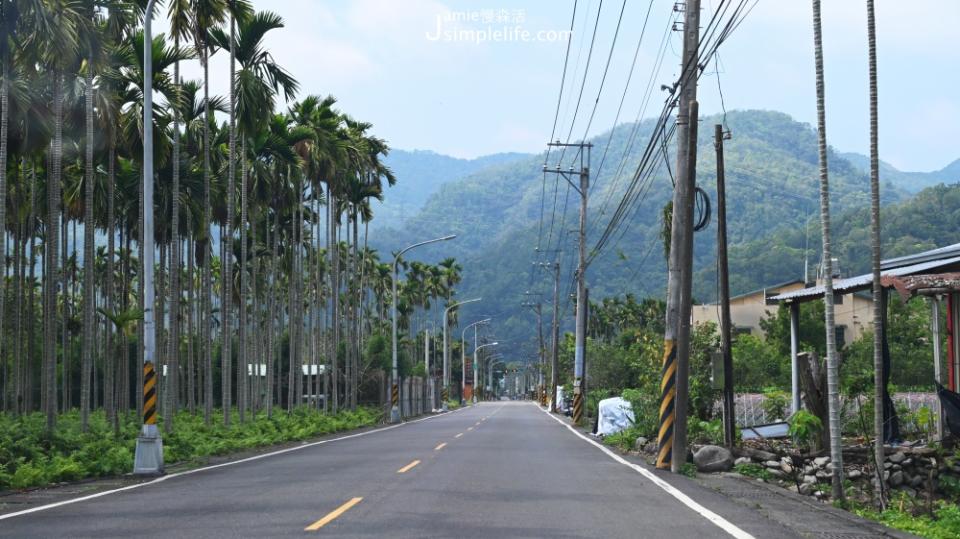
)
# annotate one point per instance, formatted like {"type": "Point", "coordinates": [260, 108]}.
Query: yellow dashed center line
{"type": "Point", "coordinates": [441, 446]}
{"type": "Point", "coordinates": [408, 467]}
{"type": "Point", "coordinates": [459, 435]}
{"type": "Point", "coordinates": [332, 515]}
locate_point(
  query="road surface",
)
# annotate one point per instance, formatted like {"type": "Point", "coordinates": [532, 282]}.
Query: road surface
{"type": "Point", "coordinates": [498, 469]}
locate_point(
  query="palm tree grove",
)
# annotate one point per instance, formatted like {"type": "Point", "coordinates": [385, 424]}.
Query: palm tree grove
{"type": "Point", "coordinates": [424, 268]}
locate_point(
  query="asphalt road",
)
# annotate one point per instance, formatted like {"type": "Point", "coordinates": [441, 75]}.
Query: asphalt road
{"type": "Point", "coordinates": [493, 470]}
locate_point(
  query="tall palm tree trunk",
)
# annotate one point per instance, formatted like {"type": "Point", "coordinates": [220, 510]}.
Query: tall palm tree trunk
{"type": "Point", "coordinates": [51, 246]}
{"type": "Point", "coordinates": [86, 362]}
{"type": "Point", "coordinates": [833, 395]}
{"type": "Point", "coordinates": [110, 359]}
{"type": "Point", "coordinates": [271, 283]}
{"type": "Point", "coordinates": [226, 323]}
{"type": "Point", "coordinates": [207, 286]}
{"type": "Point", "coordinates": [244, 291]}
{"type": "Point", "coordinates": [334, 252]}
{"type": "Point", "coordinates": [4, 125]}
{"type": "Point", "coordinates": [173, 354]}
{"type": "Point", "coordinates": [878, 388]}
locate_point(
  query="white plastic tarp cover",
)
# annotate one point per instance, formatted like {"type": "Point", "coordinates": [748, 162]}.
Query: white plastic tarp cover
{"type": "Point", "coordinates": [560, 403]}
{"type": "Point", "coordinates": [616, 414]}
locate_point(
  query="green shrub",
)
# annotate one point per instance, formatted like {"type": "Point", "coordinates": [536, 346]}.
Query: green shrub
{"type": "Point", "coordinates": [30, 458]}
{"type": "Point", "coordinates": [804, 428]}
{"type": "Point", "coordinates": [750, 469]}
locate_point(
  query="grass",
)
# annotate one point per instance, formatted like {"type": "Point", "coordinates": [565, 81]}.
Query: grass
{"type": "Point", "coordinates": [750, 469]}
{"type": "Point", "coordinates": [29, 457]}
{"type": "Point", "coordinates": [944, 523]}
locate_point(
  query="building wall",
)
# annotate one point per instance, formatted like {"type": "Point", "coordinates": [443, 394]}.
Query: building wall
{"type": "Point", "coordinates": [747, 311]}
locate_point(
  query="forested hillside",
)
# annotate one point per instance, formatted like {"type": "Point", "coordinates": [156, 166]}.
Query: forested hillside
{"type": "Point", "coordinates": [772, 184]}
{"type": "Point", "coordinates": [421, 173]}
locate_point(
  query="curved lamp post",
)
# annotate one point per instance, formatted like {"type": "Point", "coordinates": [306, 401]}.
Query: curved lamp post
{"type": "Point", "coordinates": [446, 350]}
{"type": "Point", "coordinates": [476, 363]}
{"type": "Point", "coordinates": [395, 389]}
{"type": "Point", "coordinates": [463, 355]}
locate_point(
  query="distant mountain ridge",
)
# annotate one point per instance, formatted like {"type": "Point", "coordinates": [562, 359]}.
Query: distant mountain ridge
{"type": "Point", "coordinates": [421, 173]}
{"type": "Point", "coordinates": [912, 182]}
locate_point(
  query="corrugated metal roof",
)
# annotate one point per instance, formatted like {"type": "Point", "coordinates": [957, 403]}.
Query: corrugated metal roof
{"type": "Point", "coordinates": [853, 284]}
{"type": "Point", "coordinates": [948, 251]}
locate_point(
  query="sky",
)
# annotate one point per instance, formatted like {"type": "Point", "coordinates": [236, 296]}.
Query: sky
{"type": "Point", "coordinates": [474, 77]}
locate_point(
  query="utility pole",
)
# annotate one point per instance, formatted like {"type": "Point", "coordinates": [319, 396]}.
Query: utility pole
{"type": "Point", "coordinates": [728, 413]}
{"type": "Point", "coordinates": [538, 308]}
{"type": "Point", "coordinates": [672, 435]}
{"type": "Point", "coordinates": [426, 363]}
{"type": "Point", "coordinates": [580, 347]}
{"type": "Point", "coordinates": [555, 353]}
{"type": "Point", "coordinates": [148, 457]}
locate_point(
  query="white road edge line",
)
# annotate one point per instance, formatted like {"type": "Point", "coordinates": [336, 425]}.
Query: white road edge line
{"type": "Point", "coordinates": [719, 521]}
{"type": "Point", "coordinates": [212, 467]}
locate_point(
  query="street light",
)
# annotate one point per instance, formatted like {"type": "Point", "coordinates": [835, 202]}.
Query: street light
{"type": "Point", "coordinates": [148, 456]}
{"type": "Point", "coordinates": [476, 362]}
{"type": "Point", "coordinates": [446, 352]}
{"type": "Point", "coordinates": [395, 393]}
{"type": "Point", "coordinates": [463, 355]}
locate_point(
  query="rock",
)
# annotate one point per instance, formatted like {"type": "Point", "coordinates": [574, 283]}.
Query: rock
{"type": "Point", "coordinates": [887, 465]}
{"type": "Point", "coordinates": [776, 473]}
{"type": "Point", "coordinates": [757, 454]}
{"type": "Point", "coordinates": [772, 464]}
{"type": "Point", "coordinates": [823, 475]}
{"type": "Point", "coordinates": [886, 475]}
{"type": "Point", "coordinates": [742, 460]}
{"type": "Point", "coordinates": [916, 481]}
{"type": "Point", "coordinates": [651, 448]}
{"type": "Point", "coordinates": [820, 462]}
{"type": "Point", "coordinates": [909, 492]}
{"type": "Point", "coordinates": [786, 468]}
{"type": "Point", "coordinates": [810, 479]}
{"type": "Point", "coordinates": [713, 458]}
{"type": "Point", "coordinates": [809, 470]}
{"type": "Point", "coordinates": [807, 488]}
{"type": "Point", "coordinates": [906, 463]}
{"type": "Point", "coordinates": [897, 457]}
{"type": "Point", "coordinates": [896, 478]}
{"type": "Point", "coordinates": [640, 442]}
{"type": "Point", "coordinates": [855, 474]}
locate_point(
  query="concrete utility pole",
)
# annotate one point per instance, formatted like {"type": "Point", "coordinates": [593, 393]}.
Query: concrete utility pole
{"type": "Point", "coordinates": [722, 267]}
{"type": "Point", "coordinates": [541, 359]}
{"type": "Point", "coordinates": [395, 389]}
{"type": "Point", "coordinates": [555, 353]}
{"type": "Point", "coordinates": [426, 363]}
{"type": "Point", "coordinates": [580, 347]}
{"type": "Point", "coordinates": [445, 394]}
{"type": "Point", "coordinates": [148, 457]}
{"type": "Point", "coordinates": [672, 436]}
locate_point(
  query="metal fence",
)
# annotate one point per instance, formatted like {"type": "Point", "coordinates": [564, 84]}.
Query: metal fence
{"type": "Point", "coordinates": [750, 408]}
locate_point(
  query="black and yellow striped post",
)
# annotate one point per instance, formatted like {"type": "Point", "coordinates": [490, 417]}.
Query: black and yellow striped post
{"type": "Point", "coordinates": [395, 395]}
{"type": "Point", "coordinates": [149, 394]}
{"type": "Point", "coordinates": [577, 402]}
{"type": "Point", "coordinates": [445, 395]}
{"type": "Point", "coordinates": [667, 393]}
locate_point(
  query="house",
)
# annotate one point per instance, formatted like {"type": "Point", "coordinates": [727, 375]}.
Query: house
{"type": "Point", "coordinates": [934, 274]}
{"type": "Point", "coordinates": [747, 310]}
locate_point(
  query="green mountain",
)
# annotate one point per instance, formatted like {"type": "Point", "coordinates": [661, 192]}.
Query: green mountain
{"type": "Point", "coordinates": [772, 180]}
{"type": "Point", "coordinates": [420, 173]}
{"type": "Point", "coordinates": [909, 181]}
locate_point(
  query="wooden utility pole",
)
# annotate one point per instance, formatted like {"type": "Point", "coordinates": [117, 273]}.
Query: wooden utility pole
{"type": "Point", "coordinates": [729, 419]}
{"type": "Point", "coordinates": [672, 436]}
